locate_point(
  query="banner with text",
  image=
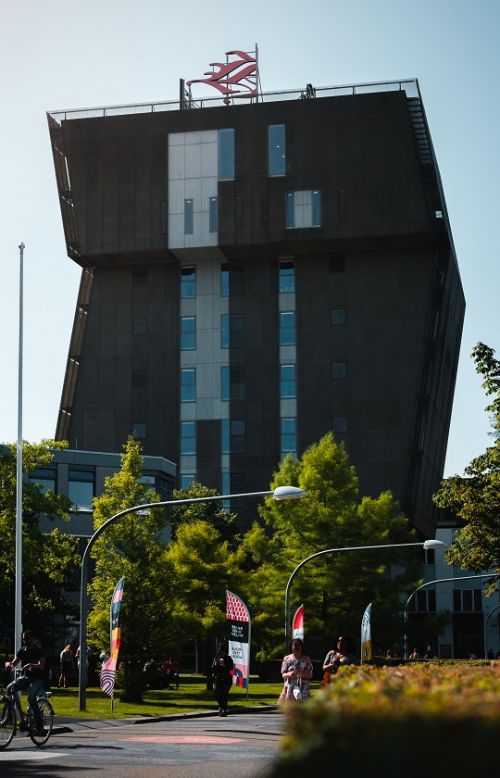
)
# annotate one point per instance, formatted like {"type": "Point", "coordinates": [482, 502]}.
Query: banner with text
{"type": "Point", "coordinates": [238, 631]}
{"type": "Point", "coordinates": [366, 635]}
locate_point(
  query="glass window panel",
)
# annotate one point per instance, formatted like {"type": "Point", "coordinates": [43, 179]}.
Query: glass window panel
{"type": "Point", "coordinates": [139, 430]}
{"type": "Point", "coordinates": [224, 330]}
{"type": "Point", "coordinates": [422, 601]}
{"type": "Point", "coordinates": [226, 153]}
{"type": "Point", "coordinates": [467, 599]}
{"type": "Point", "coordinates": [225, 436]}
{"type": "Point", "coordinates": [288, 435]}
{"type": "Point", "coordinates": [339, 370]}
{"type": "Point", "coordinates": [290, 210]}
{"type": "Point", "coordinates": [432, 600]}
{"type": "Point", "coordinates": [81, 488]}
{"type": "Point", "coordinates": [212, 214]}
{"type": "Point", "coordinates": [224, 383]}
{"type": "Point", "coordinates": [337, 317]}
{"type": "Point", "coordinates": [316, 208]}
{"type": "Point", "coordinates": [287, 277]}
{"type": "Point", "coordinates": [188, 282]}
{"type": "Point", "coordinates": [226, 489]}
{"type": "Point", "coordinates": [188, 332]}
{"type": "Point", "coordinates": [457, 600]}
{"type": "Point", "coordinates": [276, 150]}
{"type": "Point", "coordinates": [187, 479]}
{"type": "Point", "coordinates": [287, 381]}
{"type": "Point", "coordinates": [340, 423]}
{"type": "Point", "coordinates": [478, 603]}
{"type": "Point", "coordinates": [138, 326]}
{"type": "Point", "coordinates": [188, 385]}
{"type": "Point", "coordinates": [45, 478]}
{"type": "Point", "coordinates": [237, 388]}
{"type": "Point", "coordinates": [188, 437]}
{"type": "Point", "coordinates": [287, 328]}
{"type": "Point", "coordinates": [188, 216]}
{"type": "Point", "coordinates": [224, 280]}
{"type": "Point", "coordinates": [237, 436]}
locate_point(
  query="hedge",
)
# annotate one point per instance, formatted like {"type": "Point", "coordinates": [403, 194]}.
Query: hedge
{"type": "Point", "coordinates": [427, 720]}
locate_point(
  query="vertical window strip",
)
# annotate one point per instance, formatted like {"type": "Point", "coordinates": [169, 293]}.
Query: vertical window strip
{"type": "Point", "coordinates": [188, 216]}
{"type": "Point", "coordinates": [212, 214]}
{"type": "Point", "coordinates": [226, 154]}
{"type": "Point", "coordinates": [276, 144]}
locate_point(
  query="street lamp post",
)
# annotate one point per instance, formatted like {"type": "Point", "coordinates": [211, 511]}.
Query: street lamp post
{"type": "Point", "coordinates": [425, 544]}
{"type": "Point", "coordinates": [18, 604]}
{"type": "Point", "coordinates": [280, 493]}
{"type": "Point", "coordinates": [430, 583]}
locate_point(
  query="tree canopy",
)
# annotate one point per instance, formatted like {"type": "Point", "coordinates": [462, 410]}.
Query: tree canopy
{"type": "Point", "coordinates": [49, 561]}
{"type": "Point", "coordinates": [335, 588]}
{"type": "Point", "coordinates": [475, 497]}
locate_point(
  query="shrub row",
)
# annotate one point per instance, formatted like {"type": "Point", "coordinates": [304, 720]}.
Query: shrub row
{"type": "Point", "coordinates": [427, 719]}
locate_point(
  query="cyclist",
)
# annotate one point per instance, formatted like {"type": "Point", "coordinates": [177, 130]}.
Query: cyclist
{"type": "Point", "coordinates": [32, 658]}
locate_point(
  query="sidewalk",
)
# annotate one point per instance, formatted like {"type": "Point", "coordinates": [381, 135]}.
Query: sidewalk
{"type": "Point", "coordinates": [65, 724]}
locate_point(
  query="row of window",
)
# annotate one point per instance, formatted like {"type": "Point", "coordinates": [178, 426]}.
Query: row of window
{"type": "Point", "coordinates": [81, 484]}
{"type": "Point", "coordinates": [464, 601]}
{"type": "Point", "coordinates": [303, 209]}
{"type": "Point", "coordinates": [233, 436]}
{"type": "Point", "coordinates": [188, 279]}
{"type": "Point", "coordinates": [232, 383]}
{"type": "Point", "coordinates": [232, 331]}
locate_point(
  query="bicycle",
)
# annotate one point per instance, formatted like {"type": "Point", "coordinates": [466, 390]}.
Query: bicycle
{"type": "Point", "coordinates": [11, 708]}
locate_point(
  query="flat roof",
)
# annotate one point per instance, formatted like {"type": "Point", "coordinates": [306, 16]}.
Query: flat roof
{"type": "Point", "coordinates": [408, 85]}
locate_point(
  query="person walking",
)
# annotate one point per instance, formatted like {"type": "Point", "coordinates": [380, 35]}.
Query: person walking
{"type": "Point", "coordinates": [66, 664]}
{"type": "Point", "coordinates": [296, 671]}
{"type": "Point", "coordinates": [222, 677]}
{"type": "Point", "coordinates": [31, 657]}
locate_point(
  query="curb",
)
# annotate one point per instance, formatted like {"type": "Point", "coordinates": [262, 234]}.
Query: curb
{"type": "Point", "coordinates": [65, 728]}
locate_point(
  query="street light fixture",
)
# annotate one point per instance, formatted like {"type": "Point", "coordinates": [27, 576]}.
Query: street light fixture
{"type": "Point", "coordinates": [426, 544]}
{"type": "Point", "coordinates": [430, 583]}
{"type": "Point", "coordinates": [280, 493]}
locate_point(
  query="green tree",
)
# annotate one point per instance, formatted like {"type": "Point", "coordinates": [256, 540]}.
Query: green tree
{"type": "Point", "coordinates": [214, 513]}
{"type": "Point", "coordinates": [50, 561]}
{"type": "Point", "coordinates": [335, 588]}
{"type": "Point", "coordinates": [134, 547]}
{"type": "Point", "coordinates": [475, 497]}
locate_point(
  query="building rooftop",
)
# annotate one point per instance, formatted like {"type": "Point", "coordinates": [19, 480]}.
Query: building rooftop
{"type": "Point", "coordinates": [410, 86]}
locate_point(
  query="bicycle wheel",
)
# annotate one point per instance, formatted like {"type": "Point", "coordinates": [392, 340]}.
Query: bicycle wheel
{"type": "Point", "coordinates": [7, 724]}
{"type": "Point", "coordinates": [40, 737]}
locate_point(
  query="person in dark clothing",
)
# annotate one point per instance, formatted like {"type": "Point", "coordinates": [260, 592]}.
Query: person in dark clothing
{"type": "Point", "coordinates": [31, 656]}
{"type": "Point", "coordinates": [222, 675]}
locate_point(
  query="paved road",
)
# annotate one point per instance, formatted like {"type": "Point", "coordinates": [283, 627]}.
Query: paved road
{"type": "Point", "coordinates": [239, 746]}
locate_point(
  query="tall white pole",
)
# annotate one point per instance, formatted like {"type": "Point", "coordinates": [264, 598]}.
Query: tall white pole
{"type": "Point", "coordinates": [18, 622]}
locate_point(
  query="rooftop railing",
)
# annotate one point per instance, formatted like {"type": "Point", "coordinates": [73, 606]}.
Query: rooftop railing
{"type": "Point", "coordinates": [410, 86]}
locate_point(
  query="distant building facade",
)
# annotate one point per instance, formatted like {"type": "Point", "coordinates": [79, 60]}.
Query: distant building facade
{"type": "Point", "coordinates": [257, 274]}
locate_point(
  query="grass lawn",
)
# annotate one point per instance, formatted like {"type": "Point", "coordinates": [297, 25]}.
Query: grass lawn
{"type": "Point", "coordinates": [191, 697]}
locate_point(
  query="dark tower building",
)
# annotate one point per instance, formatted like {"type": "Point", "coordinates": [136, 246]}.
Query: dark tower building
{"type": "Point", "coordinates": [256, 274]}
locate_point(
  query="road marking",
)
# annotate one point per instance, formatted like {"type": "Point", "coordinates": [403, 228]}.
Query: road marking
{"type": "Point", "coordinates": [29, 756]}
{"type": "Point", "coordinates": [191, 739]}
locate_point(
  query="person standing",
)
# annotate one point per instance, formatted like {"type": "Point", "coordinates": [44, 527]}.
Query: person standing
{"type": "Point", "coordinates": [31, 657]}
{"type": "Point", "coordinates": [341, 655]}
{"type": "Point", "coordinates": [296, 671]}
{"type": "Point", "coordinates": [222, 676]}
{"type": "Point", "coordinates": [66, 664]}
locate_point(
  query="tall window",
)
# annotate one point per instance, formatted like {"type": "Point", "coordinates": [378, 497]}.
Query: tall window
{"type": "Point", "coordinates": [188, 332]}
{"type": "Point", "coordinates": [226, 154]}
{"type": "Point", "coordinates": [139, 319]}
{"type": "Point", "coordinates": [139, 430]}
{"type": "Point", "coordinates": [224, 383]}
{"type": "Point", "coordinates": [337, 317]}
{"type": "Point", "coordinates": [287, 382]}
{"type": "Point", "coordinates": [237, 436]}
{"type": "Point", "coordinates": [288, 436]}
{"type": "Point", "coordinates": [188, 216]}
{"type": "Point", "coordinates": [287, 277]}
{"type": "Point", "coordinates": [276, 150]}
{"type": "Point", "coordinates": [225, 430]}
{"type": "Point", "coordinates": [188, 282]}
{"type": "Point", "coordinates": [81, 488]}
{"type": "Point", "coordinates": [287, 328]}
{"type": "Point", "coordinates": [212, 214]}
{"type": "Point", "coordinates": [188, 437]}
{"type": "Point", "coordinates": [188, 385]}
{"type": "Point", "coordinates": [339, 424]}
{"type": "Point", "coordinates": [303, 209]}
{"type": "Point", "coordinates": [467, 600]}
{"type": "Point", "coordinates": [224, 330]}
{"type": "Point", "coordinates": [224, 280]}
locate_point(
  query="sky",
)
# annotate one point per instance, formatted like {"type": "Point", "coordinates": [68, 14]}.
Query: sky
{"type": "Point", "coordinates": [57, 54]}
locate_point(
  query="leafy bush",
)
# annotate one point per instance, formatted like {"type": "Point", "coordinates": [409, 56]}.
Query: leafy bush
{"type": "Point", "coordinates": [430, 719]}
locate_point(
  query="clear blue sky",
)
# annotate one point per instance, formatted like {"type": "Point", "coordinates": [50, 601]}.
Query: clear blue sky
{"type": "Point", "coordinates": [59, 54]}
